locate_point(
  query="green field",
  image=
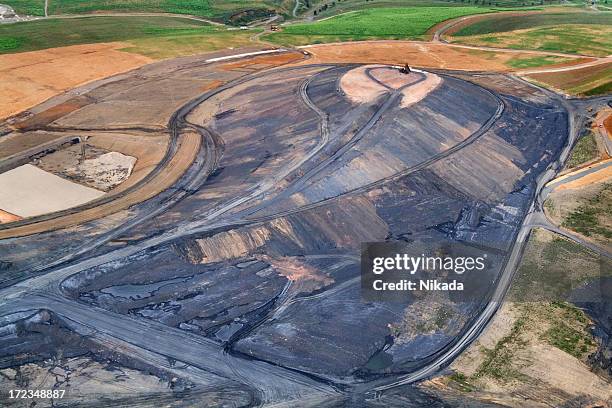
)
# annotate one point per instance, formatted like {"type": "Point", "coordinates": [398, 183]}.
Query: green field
{"type": "Point", "coordinates": [221, 10]}
{"type": "Point", "coordinates": [537, 61]}
{"type": "Point", "coordinates": [500, 24]}
{"type": "Point", "coordinates": [390, 23]}
{"type": "Point", "coordinates": [27, 7]}
{"type": "Point", "coordinates": [149, 35]}
{"type": "Point", "coordinates": [588, 81]}
{"type": "Point", "coordinates": [330, 8]}
{"type": "Point", "coordinates": [592, 217]}
{"type": "Point", "coordinates": [584, 151]}
{"type": "Point", "coordinates": [583, 33]}
{"type": "Point", "coordinates": [326, 8]}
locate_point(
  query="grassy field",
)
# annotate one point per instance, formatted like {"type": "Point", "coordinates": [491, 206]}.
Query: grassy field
{"type": "Point", "coordinates": [535, 317]}
{"type": "Point", "coordinates": [588, 81]}
{"type": "Point", "coordinates": [593, 217]}
{"type": "Point", "coordinates": [390, 23]}
{"type": "Point", "coordinates": [571, 32]}
{"type": "Point", "coordinates": [500, 24]}
{"type": "Point", "coordinates": [569, 38]}
{"type": "Point", "coordinates": [27, 7]}
{"type": "Point", "coordinates": [552, 268]}
{"type": "Point", "coordinates": [539, 61]}
{"type": "Point", "coordinates": [330, 8]}
{"type": "Point", "coordinates": [584, 151]}
{"type": "Point", "coordinates": [158, 37]}
{"type": "Point", "coordinates": [220, 10]}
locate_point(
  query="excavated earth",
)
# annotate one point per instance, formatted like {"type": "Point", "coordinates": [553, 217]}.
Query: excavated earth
{"type": "Point", "coordinates": [262, 258]}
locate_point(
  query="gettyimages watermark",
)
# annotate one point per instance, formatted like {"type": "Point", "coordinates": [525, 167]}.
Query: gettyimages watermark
{"type": "Point", "coordinates": [405, 271]}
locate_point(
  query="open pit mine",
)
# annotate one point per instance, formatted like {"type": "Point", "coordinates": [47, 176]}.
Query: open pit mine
{"type": "Point", "coordinates": [202, 236]}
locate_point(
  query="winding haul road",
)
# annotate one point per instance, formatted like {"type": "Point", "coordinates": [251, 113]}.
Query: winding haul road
{"type": "Point", "coordinates": [270, 383]}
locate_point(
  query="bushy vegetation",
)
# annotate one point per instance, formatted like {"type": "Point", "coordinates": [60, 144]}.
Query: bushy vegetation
{"type": "Point", "coordinates": [552, 267]}
{"type": "Point", "coordinates": [588, 219]}
{"type": "Point", "coordinates": [570, 331]}
{"type": "Point", "coordinates": [585, 150]}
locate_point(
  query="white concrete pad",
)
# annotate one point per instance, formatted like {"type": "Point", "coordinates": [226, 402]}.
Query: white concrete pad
{"type": "Point", "coordinates": [28, 191]}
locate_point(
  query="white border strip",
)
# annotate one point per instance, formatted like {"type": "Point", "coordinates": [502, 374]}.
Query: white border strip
{"type": "Point", "coordinates": [247, 54]}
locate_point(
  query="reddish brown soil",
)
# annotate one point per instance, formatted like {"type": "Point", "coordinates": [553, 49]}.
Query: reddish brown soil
{"type": "Point", "coordinates": [50, 115]}
{"type": "Point", "coordinates": [8, 217]}
{"type": "Point", "coordinates": [29, 78]}
{"type": "Point", "coordinates": [264, 61]}
{"type": "Point", "coordinates": [189, 145]}
{"type": "Point", "coordinates": [418, 54]}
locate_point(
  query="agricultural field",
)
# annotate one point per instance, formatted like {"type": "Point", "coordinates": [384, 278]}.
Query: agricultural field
{"type": "Point", "coordinates": [383, 23]}
{"type": "Point", "coordinates": [577, 33]}
{"type": "Point", "coordinates": [158, 37]}
{"type": "Point", "coordinates": [214, 9]}
{"type": "Point", "coordinates": [502, 23]}
{"type": "Point", "coordinates": [323, 9]}
{"type": "Point", "coordinates": [588, 81]}
{"type": "Point", "coordinates": [27, 7]}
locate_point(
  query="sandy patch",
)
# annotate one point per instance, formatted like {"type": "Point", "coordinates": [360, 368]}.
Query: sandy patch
{"type": "Point", "coordinates": [561, 371]}
{"type": "Point", "coordinates": [418, 54]}
{"type": "Point", "coordinates": [359, 88]}
{"type": "Point", "coordinates": [29, 78]}
{"type": "Point", "coordinates": [608, 125]}
{"type": "Point", "coordinates": [500, 326]}
{"type": "Point", "coordinates": [28, 191]}
{"type": "Point", "coordinates": [147, 149]}
{"type": "Point", "coordinates": [8, 217]}
{"type": "Point", "coordinates": [393, 78]}
{"type": "Point", "coordinates": [189, 144]}
{"type": "Point", "coordinates": [106, 171]}
{"type": "Point", "coordinates": [263, 61]}
{"type": "Point", "coordinates": [417, 92]}
{"type": "Point", "coordinates": [596, 177]}
{"type": "Point", "coordinates": [308, 277]}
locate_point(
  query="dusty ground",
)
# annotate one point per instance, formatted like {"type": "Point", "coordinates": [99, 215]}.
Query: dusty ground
{"type": "Point", "coordinates": [85, 379]}
{"type": "Point", "coordinates": [8, 217]}
{"type": "Point", "coordinates": [600, 176]}
{"type": "Point", "coordinates": [359, 88]}
{"type": "Point", "coordinates": [28, 191]}
{"type": "Point", "coordinates": [418, 54]}
{"type": "Point", "coordinates": [88, 165]}
{"type": "Point", "coordinates": [521, 360]}
{"type": "Point", "coordinates": [15, 143]}
{"type": "Point", "coordinates": [188, 147]}
{"type": "Point", "coordinates": [418, 92]}
{"type": "Point", "coordinates": [31, 77]}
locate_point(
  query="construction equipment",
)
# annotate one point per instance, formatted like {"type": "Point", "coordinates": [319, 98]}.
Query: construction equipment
{"type": "Point", "coordinates": [405, 69]}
